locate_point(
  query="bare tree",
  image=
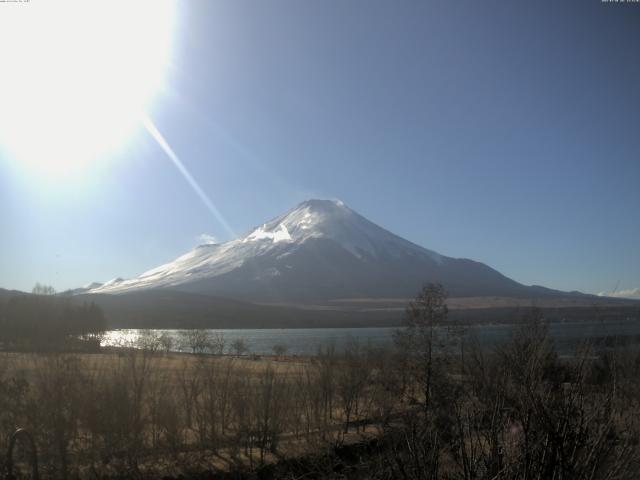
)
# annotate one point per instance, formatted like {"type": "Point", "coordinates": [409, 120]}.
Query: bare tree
{"type": "Point", "coordinates": [58, 393]}
{"type": "Point", "coordinates": [352, 378]}
{"type": "Point", "coordinates": [270, 396]}
{"type": "Point", "coordinates": [166, 341]}
{"type": "Point", "coordinates": [239, 346]}
{"type": "Point", "coordinates": [197, 340]}
{"type": "Point", "coordinates": [218, 342]}
{"type": "Point", "coordinates": [326, 365]}
{"type": "Point", "coordinates": [40, 289]}
{"type": "Point", "coordinates": [279, 349]}
{"type": "Point", "coordinates": [148, 341]}
{"type": "Point", "coordinates": [419, 338]}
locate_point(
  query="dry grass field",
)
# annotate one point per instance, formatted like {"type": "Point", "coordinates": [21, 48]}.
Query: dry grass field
{"type": "Point", "coordinates": [155, 413]}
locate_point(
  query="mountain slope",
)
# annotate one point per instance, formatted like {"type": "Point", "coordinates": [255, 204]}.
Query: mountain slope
{"type": "Point", "coordinates": [319, 251]}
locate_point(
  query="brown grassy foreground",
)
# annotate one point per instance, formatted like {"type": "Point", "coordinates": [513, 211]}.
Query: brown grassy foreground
{"type": "Point", "coordinates": [146, 413]}
{"type": "Point", "coordinates": [434, 407]}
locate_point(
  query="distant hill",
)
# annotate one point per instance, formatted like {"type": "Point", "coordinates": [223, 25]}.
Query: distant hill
{"type": "Point", "coordinates": [175, 309]}
{"type": "Point", "coordinates": [7, 294]}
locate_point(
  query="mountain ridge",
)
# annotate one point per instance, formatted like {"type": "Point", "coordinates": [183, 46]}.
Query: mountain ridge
{"type": "Point", "coordinates": [318, 251]}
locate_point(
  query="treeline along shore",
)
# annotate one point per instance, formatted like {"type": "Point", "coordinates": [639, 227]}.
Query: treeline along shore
{"type": "Point", "coordinates": [45, 322]}
{"type": "Point", "coordinates": [166, 309]}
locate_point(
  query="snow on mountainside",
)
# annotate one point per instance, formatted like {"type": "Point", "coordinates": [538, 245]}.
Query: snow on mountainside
{"type": "Point", "coordinates": [320, 250]}
{"type": "Point", "coordinates": [312, 219]}
{"type": "Point", "coordinates": [84, 289]}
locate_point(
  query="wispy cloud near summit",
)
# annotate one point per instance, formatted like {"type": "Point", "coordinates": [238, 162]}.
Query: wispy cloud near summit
{"type": "Point", "coordinates": [630, 293]}
{"type": "Point", "coordinates": [206, 239]}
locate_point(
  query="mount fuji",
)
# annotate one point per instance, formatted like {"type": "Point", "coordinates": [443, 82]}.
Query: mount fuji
{"type": "Point", "coordinates": [320, 251]}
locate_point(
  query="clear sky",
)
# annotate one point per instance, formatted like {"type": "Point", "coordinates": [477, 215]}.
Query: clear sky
{"type": "Point", "coordinates": [502, 131]}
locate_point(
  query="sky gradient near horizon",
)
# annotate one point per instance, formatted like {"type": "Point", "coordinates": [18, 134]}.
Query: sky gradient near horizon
{"type": "Point", "coordinates": [505, 132]}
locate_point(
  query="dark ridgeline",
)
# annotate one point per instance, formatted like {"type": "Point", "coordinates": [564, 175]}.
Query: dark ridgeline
{"type": "Point", "coordinates": [44, 320]}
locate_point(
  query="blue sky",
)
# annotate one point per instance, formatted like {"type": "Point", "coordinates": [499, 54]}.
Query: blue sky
{"type": "Point", "coordinates": [502, 131]}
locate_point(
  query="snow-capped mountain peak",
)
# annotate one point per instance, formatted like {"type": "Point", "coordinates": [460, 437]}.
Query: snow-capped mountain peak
{"type": "Point", "coordinates": [281, 234]}
{"type": "Point", "coordinates": [333, 220]}
{"type": "Point", "coordinates": [113, 282]}
{"type": "Point", "coordinates": [319, 249]}
{"type": "Point", "coordinates": [312, 218]}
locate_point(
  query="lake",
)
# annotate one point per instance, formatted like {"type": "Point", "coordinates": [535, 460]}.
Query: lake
{"type": "Point", "coordinates": [305, 341]}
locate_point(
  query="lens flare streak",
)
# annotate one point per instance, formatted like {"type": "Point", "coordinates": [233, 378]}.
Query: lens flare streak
{"type": "Point", "coordinates": [166, 148]}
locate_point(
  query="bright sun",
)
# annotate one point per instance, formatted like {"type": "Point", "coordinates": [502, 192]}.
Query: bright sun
{"type": "Point", "coordinates": [76, 76]}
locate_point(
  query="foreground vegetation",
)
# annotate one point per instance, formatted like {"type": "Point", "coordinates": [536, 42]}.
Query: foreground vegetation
{"type": "Point", "coordinates": [436, 406]}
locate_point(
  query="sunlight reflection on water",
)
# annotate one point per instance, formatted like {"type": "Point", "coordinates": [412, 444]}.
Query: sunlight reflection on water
{"type": "Point", "coordinates": [306, 341]}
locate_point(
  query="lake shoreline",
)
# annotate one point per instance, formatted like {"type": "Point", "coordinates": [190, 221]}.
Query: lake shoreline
{"type": "Point", "coordinates": [307, 341]}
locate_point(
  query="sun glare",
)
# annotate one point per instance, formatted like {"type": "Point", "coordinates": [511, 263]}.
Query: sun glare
{"type": "Point", "coordinates": [76, 77]}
